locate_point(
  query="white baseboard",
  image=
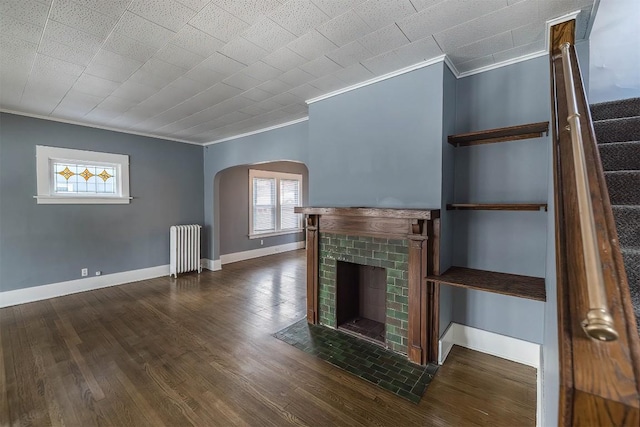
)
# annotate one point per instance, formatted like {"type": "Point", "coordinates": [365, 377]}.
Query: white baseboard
{"type": "Point", "coordinates": [256, 253]}
{"type": "Point", "coordinates": [509, 348]}
{"type": "Point", "coordinates": [38, 293]}
{"type": "Point", "coordinates": [211, 264]}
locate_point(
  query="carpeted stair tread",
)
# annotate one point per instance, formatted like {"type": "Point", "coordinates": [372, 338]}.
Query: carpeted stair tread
{"type": "Point", "coordinates": [615, 109]}
{"type": "Point", "coordinates": [617, 130]}
{"type": "Point", "coordinates": [632, 267]}
{"type": "Point", "coordinates": [624, 187]}
{"type": "Point", "coordinates": [628, 225]}
{"type": "Point", "coordinates": [618, 156]}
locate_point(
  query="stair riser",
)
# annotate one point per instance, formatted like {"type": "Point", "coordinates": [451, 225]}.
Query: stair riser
{"type": "Point", "coordinates": [632, 267]}
{"type": "Point", "coordinates": [617, 130]}
{"type": "Point", "coordinates": [624, 187]}
{"type": "Point", "coordinates": [620, 156]}
{"type": "Point", "coordinates": [628, 225]}
{"type": "Point", "coordinates": [616, 109]}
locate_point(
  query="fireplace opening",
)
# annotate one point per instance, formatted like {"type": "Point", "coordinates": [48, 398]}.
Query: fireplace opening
{"type": "Point", "coordinates": [361, 294]}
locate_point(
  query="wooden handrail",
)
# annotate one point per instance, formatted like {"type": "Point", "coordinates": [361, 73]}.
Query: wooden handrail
{"type": "Point", "coordinates": [599, 379]}
{"type": "Point", "coordinates": [598, 323]}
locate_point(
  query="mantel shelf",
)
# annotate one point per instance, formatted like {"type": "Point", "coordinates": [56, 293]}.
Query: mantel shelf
{"type": "Point", "coordinates": [511, 133]}
{"type": "Point", "coordinates": [490, 281]}
{"type": "Point", "coordinates": [497, 206]}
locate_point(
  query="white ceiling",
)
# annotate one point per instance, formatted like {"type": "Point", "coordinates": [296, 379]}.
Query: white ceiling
{"type": "Point", "coordinates": [199, 70]}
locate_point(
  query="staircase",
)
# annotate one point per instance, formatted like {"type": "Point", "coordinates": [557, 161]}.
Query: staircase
{"type": "Point", "coordinates": [617, 127]}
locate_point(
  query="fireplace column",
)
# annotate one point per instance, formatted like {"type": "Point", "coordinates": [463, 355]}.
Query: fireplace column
{"type": "Point", "coordinates": [312, 269]}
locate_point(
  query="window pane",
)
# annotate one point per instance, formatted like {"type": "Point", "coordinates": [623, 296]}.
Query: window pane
{"type": "Point", "coordinates": [264, 204]}
{"type": "Point", "coordinates": [289, 198]}
{"type": "Point", "coordinates": [78, 178]}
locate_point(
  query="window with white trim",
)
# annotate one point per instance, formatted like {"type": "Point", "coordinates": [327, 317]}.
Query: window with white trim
{"type": "Point", "coordinates": [67, 176]}
{"type": "Point", "coordinates": [272, 197]}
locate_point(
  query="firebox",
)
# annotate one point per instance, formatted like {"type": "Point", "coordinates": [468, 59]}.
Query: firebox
{"type": "Point", "coordinates": [361, 300]}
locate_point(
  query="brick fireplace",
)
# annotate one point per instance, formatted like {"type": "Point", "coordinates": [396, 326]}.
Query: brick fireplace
{"type": "Point", "coordinates": [366, 274]}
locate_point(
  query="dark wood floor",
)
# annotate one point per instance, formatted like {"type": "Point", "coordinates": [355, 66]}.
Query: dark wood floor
{"type": "Point", "coordinates": [199, 351]}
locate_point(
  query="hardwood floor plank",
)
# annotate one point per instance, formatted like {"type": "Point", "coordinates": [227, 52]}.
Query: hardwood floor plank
{"type": "Point", "coordinates": [199, 350]}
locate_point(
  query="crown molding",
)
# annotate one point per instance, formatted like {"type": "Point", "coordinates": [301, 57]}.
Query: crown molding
{"type": "Point", "coordinates": [503, 63]}
{"type": "Point", "coordinates": [374, 80]}
{"type": "Point", "coordinates": [91, 125]}
{"type": "Point", "coordinates": [242, 135]}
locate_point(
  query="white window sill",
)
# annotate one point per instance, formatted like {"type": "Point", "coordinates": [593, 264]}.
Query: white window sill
{"type": "Point", "coordinates": [70, 200]}
{"type": "Point", "coordinates": [275, 233]}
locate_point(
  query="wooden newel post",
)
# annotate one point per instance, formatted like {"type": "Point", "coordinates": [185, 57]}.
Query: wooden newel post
{"type": "Point", "coordinates": [312, 269]}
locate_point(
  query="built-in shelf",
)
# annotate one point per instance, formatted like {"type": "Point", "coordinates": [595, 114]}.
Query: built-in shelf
{"type": "Point", "coordinates": [511, 133]}
{"type": "Point", "coordinates": [491, 281]}
{"type": "Point", "coordinates": [497, 206]}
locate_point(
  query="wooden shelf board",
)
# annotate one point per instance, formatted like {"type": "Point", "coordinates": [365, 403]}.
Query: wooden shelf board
{"type": "Point", "coordinates": [497, 206]}
{"type": "Point", "coordinates": [490, 281]}
{"type": "Point", "coordinates": [511, 133]}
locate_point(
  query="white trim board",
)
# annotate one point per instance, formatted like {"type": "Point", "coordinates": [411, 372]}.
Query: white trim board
{"type": "Point", "coordinates": [38, 293]}
{"type": "Point", "coordinates": [509, 348]}
{"type": "Point", "coordinates": [257, 253]}
{"type": "Point", "coordinates": [211, 264]}
{"type": "Point", "coordinates": [242, 135]}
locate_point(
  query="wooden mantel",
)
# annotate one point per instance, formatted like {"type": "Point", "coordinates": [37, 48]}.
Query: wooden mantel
{"type": "Point", "coordinates": [421, 227]}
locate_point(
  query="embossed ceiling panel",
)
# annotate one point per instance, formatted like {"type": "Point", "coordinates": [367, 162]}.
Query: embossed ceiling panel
{"type": "Point", "coordinates": [204, 70]}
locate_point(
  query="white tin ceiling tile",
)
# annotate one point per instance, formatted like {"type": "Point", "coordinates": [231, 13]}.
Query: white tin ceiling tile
{"type": "Point", "coordinates": [268, 35]}
{"type": "Point", "coordinates": [298, 109]}
{"type": "Point", "coordinates": [115, 60]}
{"type": "Point", "coordinates": [286, 98]}
{"type": "Point", "coordinates": [344, 28]}
{"type": "Point", "coordinates": [167, 13]}
{"type": "Point", "coordinates": [144, 31]}
{"type": "Point", "coordinates": [553, 8]}
{"type": "Point", "coordinates": [218, 23]}
{"type": "Point", "coordinates": [380, 13]}
{"type": "Point", "coordinates": [328, 83]}
{"type": "Point", "coordinates": [528, 33]}
{"type": "Point", "coordinates": [275, 86]}
{"type": "Point", "coordinates": [113, 103]}
{"type": "Point", "coordinates": [299, 16]}
{"type": "Point", "coordinates": [268, 105]}
{"type": "Point", "coordinates": [320, 67]}
{"type": "Point", "coordinates": [214, 95]}
{"type": "Point", "coordinates": [197, 41]}
{"type": "Point", "coordinates": [305, 91]}
{"type": "Point", "coordinates": [476, 63]}
{"type": "Point", "coordinates": [312, 45]}
{"type": "Point", "coordinates": [33, 102]}
{"type": "Point", "coordinates": [133, 91]}
{"type": "Point", "coordinates": [113, 8]}
{"type": "Point", "coordinates": [116, 74]}
{"type": "Point", "coordinates": [178, 56]}
{"type": "Point", "coordinates": [296, 77]}
{"type": "Point", "coordinates": [80, 17]}
{"type": "Point", "coordinates": [10, 95]}
{"type": "Point", "coordinates": [257, 95]}
{"type": "Point", "coordinates": [96, 86]}
{"type": "Point", "coordinates": [13, 49]}
{"type": "Point", "coordinates": [384, 63]}
{"type": "Point", "coordinates": [126, 46]}
{"type": "Point", "coordinates": [109, 109]}
{"type": "Point", "coordinates": [196, 5]}
{"type": "Point", "coordinates": [488, 46]}
{"type": "Point", "coordinates": [501, 20]}
{"type": "Point", "coordinates": [284, 59]}
{"type": "Point", "coordinates": [72, 37]}
{"type": "Point", "coordinates": [242, 81]}
{"type": "Point", "coordinates": [334, 8]}
{"type": "Point", "coordinates": [354, 74]}
{"type": "Point", "coordinates": [204, 75]}
{"type": "Point", "coordinates": [254, 109]}
{"type": "Point", "coordinates": [157, 73]}
{"type": "Point", "coordinates": [418, 51]}
{"type": "Point", "coordinates": [223, 64]}
{"type": "Point", "coordinates": [76, 104]}
{"type": "Point", "coordinates": [350, 54]}
{"type": "Point", "coordinates": [519, 50]}
{"type": "Point", "coordinates": [29, 11]}
{"type": "Point", "coordinates": [13, 27]}
{"type": "Point", "coordinates": [262, 71]}
{"type": "Point", "coordinates": [384, 39]}
{"type": "Point", "coordinates": [448, 14]}
{"type": "Point", "coordinates": [243, 51]}
{"type": "Point", "coordinates": [53, 66]}
{"type": "Point", "coordinates": [423, 4]}
{"type": "Point", "coordinates": [248, 10]}
{"type": "Point", "coordinates": [65, 53]}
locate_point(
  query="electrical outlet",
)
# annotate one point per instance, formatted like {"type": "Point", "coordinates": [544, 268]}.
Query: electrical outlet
{"type": "Point", "coordinates": [98, 273]}
{"type": "Point", "coordinates": [84, 272]}
{"type": "Point", "coordinates": [261, 242]}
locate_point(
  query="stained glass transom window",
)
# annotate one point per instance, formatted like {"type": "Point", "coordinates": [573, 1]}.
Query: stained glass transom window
{"type": "Point", "coordinates": [84, 179]}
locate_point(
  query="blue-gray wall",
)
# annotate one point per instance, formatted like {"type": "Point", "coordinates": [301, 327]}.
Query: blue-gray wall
{"type": "Point", "coordinates": [287, 143]}
{"type": "Point", "coordinates": [41, 244]}
{"type": "Point", "coordinates": [234, 207]}
{"type": "Point", "coordinates": [379, 145]}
